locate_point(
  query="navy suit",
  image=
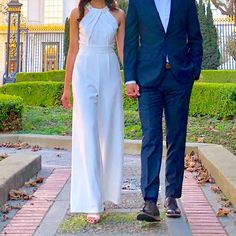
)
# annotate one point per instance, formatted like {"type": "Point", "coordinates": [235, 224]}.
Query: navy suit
{"type": "Point", "coordinates": [147, 46]}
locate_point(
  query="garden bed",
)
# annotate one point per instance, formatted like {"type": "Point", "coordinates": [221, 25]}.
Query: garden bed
{"type": "Point", "coordinates": [57, 121]}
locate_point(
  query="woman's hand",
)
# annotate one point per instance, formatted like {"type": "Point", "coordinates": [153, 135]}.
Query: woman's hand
{"type": "Point", "coordinates": [65, 99]}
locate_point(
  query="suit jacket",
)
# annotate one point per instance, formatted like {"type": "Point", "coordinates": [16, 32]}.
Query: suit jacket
{"type": "Point", "coordinates": [147, 44]}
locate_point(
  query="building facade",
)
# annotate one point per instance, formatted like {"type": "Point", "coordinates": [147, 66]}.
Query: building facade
{"type": "Point", "coordinates": [42, 35]}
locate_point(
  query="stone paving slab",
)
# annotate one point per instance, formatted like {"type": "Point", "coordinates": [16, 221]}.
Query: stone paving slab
{"type": "Point", "coordinates": [16, 169]}
{"type": "Point", "coordinates": [29, 217]}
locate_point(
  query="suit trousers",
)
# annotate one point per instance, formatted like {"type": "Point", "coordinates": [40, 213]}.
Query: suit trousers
{"type": "Point", "coordinates": [171, 98]}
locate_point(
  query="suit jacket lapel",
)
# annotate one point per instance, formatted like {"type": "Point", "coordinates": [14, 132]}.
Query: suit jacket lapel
{"type": "Point", "coordinates": [174, 6]}
{"type": "Point", "coordinates": [156, 14]}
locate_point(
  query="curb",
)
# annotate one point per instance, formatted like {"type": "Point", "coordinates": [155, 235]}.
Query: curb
{"type": "Point", "coordinates": [131, 147]}
{"type": "Point", "coordinates": [220, 163]}
{"type": "Point", "coordinates": [15, 171]}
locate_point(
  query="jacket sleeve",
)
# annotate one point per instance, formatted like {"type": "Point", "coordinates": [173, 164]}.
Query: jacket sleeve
{"type": "Point", "coordinates": [131, 43]}
{"type": "Point", "coordinates": [194, 38]}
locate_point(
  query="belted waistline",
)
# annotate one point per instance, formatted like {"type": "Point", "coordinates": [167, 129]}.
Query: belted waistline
{"type": "Point", "coordinates": [96, 49]}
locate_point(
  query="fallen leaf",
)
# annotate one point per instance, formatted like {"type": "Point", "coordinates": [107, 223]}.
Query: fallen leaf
{"type": "Point", "coordinates": [39, 180]}
{"type": "Point", "coordinates": [4, 217]}
{"type": "Point", "coordinates": [227, 204]}
{"type": "Point", "coordinates": [211, 180]}
{"type": "Point", "coordinates": [222, 212]}
{"type": "Point", "coordinates": [31, 184]}
{"type": "Point", "coordinates": [3, 155]}
{"type": "Point", "coordinates": [5, 208]}
{"type": "Point", "coordinates": [215, 189]}
{"type": "Point", "coordinates": [36, 148]}
{"type": "Point", "coordinates": [200, 140]}
{"type": "Point", "coordinates": [190, 169]}
{"type": "Point", "coordinates": [17, 194]}
{"type": "Point", "coordinates": [17, 207]}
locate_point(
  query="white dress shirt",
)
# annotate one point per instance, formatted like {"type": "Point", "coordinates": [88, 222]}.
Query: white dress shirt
{"type": "Point", "coordinates": [163, 8]}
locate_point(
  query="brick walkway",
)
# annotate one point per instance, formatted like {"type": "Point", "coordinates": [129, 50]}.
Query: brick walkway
{"type": "Point", "coordinates": [200, 215]}
{"type": "Point", "coordinates": [28, 218]}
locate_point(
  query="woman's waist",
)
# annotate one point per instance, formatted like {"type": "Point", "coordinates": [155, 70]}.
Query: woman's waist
{"type": "Point", "coordinates": [96, 48]}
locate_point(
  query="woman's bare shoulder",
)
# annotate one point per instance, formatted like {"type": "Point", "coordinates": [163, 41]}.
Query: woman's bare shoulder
{"type": "Point", "coordinates": [74, 13]}
{"type": "Point", "coordinates": [120, 14]}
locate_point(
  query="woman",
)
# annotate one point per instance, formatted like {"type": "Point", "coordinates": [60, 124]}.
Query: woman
{"type": "Point", "coordinates": [97, 130]}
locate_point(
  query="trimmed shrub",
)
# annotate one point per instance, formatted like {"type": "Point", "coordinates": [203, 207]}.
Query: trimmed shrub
{"type": "Point", "coordinates": [209, 76]}
{"type": "Point", "coordinates": [218, 76]}
{"type": "Point", "coordinates": [11, 108]}
{"type": "Point", "coordinates": [212, 99]}
{"type": "Point", "coordinates": [43, 94]}
{"type": "Point", "coordinates": [54, 75]}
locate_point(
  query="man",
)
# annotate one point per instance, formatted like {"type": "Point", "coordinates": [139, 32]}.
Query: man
{"type": "Point", "coordinates": [162, 58]}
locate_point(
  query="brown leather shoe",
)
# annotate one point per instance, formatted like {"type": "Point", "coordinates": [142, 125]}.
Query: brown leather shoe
{"type": "Point", "coordinates": [172, 209]}
{"type": "Point", "coordinates": [149, 213]}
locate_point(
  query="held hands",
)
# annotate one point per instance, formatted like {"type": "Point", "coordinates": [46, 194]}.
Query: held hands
{"type": "Point", "coordinates": [65, 99]}
{"type": "Point", "coordinates": [132, 91]}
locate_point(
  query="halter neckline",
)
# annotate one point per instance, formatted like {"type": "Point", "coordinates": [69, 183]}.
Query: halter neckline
{"type": "Point", "coordinates": [89, 6]}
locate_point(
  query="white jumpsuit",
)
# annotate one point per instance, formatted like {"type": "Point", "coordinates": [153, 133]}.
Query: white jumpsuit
{"type": "Point", "coordinates": [97, 132]}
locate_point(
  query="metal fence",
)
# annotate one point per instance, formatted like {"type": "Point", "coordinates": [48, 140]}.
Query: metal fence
{"type": "Point", "coordinates": [226, 29]}
{"type": "Point", "coordinates": [42, 51]}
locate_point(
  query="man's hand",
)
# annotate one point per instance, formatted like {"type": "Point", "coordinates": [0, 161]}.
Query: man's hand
{"type": "Point", "coordinates": [132, 91]}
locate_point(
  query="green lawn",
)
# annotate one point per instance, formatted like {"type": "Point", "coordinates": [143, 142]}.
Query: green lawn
{"type": "Point", "coordinates": [57, 120]}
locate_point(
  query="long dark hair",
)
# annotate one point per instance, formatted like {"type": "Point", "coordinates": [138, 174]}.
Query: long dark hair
{"type": "Point", "coordinates": [111, 4]}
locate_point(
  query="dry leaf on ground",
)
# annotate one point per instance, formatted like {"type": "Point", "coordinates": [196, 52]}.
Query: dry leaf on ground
{"type": "Point", "coordinates": [222, 212]}
{"type": "Point", "coordinates": [227, 204]}
{"type": "Point", "coordinates": [215, 189]}
{"type": "Point", "coordinates": [18, 145]}
{"type": "Point", "coordinates": [34, 183]}
{"type": "Point", "coordinates": [3, 155]}
{"type": "Point", "coordinates": [39, 180]}
{"type": "Point", "coordinates": [31, 183]}
{"type": "Point", "coordinates": [36, 148]}
{"type": "Point", "coordinates": [18, 194]}
{"type": "Point", "coordinates": [17, 207]}
{"type": "Point", "coordinates": [4, 218]}
{"type": "Point", "coordinates": [5, 208]}
{"type": "Point", "coordinates": [193, 163]}
{"type": "Point", "coordinates": [200, 140]}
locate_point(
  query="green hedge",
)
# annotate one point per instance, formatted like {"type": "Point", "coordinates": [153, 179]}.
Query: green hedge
{"type": "Point", "coordinates": [208, 76]}
{"type": "Point", "coordinates": [218, 76]}
{"type": "Point", "coordinates": [11, 108]}
{"type": "Point", "coordinates": [43, 94]}
{"type": "Point", "coordinates": [215, 99]}
{"type": "Point", "coordinates": [55, 75]}
{"type": "Point", "coordinates": [207, 98]}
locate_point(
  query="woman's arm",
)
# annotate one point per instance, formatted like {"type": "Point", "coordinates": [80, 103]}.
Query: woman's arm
{"type": "Point", "coordinates": [72, 53]}
{"type": "Point", "coordinates": [121, 35]}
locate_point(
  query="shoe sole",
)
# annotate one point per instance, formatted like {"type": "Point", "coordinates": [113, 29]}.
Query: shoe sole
{"type": "Point", "coordinates": [173, 215]}
{"type": "Point", "coordinates": [147, 217]}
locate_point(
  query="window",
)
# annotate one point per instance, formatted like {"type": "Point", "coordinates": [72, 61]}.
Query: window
{"type": "Point", "coordinates": [53, 11]}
